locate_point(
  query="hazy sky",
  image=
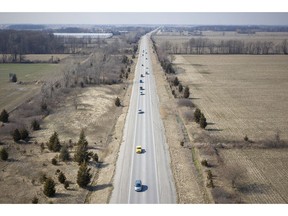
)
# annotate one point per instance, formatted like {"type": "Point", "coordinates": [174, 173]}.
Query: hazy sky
{"type": "Point", "coordinates": [210, 18]}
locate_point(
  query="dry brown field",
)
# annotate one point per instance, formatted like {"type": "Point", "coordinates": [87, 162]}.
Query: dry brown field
{"type": "Point", "coordinates": [239, 94]}
{"type": "Point", "coordinates": [265, 174]}
{"type": "Point", "coordinates": [45, 57]}
{"type": "Point", "coordinates": [216, 37]}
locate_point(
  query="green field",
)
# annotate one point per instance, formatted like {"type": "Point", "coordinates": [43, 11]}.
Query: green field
{"type": "Point", "coordinates": [12, 94]}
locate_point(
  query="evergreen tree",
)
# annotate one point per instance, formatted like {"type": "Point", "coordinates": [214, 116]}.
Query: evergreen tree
{"type": "Point", "coordinates": [176, 81]}
{"type": "Point", "coordinates": [4, 154]}
{"type": "Point", "coordinates": [117, 102]}
{"type": "Point", "coordinates": [180, 87]}
{"type": "Point", "coordinates": [16, 135]}
{"type": "Point", "coordinates": [54, 143]}
{"type": "Point", "coordinates": [61, 178]}
{"type": "Point", "coordinates": [83, 175]}
{"type": "Point", "coordinates": [197, 115]}
{"type": "Point", "coordinates": [24, 134]}
{"type": "Point", "coordinates": [35, 125]}
{"type": "Point", "coordinates": [49, 188]}
{"type": "Point", "coordinates": [186, 92]}
{"type": "Point", "coordinates": [4, 116]}
{"type": "Point", "coordinates": [64, 153]}
{"type": "Point", "coordinates": [82, 154]}
{"type": "Point", "coordinates": [203, 122]}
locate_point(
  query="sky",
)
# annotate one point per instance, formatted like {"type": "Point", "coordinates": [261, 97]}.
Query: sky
{"type": "Point", "coordinates": [185, 12]}
{"type": "Point", "coordinates": [186, 18]}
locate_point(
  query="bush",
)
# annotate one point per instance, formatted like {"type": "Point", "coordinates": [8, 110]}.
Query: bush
{"type": "Point", "coordinates": [66, 185]}
{"type": "Point", "coordinates": [210, 183]}
{"type": "Point", "coordinates": [44, 106]}
{"type": "Point", "coordinates": [209, 175]}
{"type": "Point", "coordinates": [203, 122]}
{"type": "Point", "coordinates": [204, 163]}
{"type": "Point", "coordinates": [54, 143]}
{"type": "Point", "coordinates": [54, 161]}
{"type": "Point", "coordinates": [246, 139]}
{"type": "Point", "coordinates": [35, 200]}
{"type": "Point", "coordinates": [95, 157]}
{"type": "Point", "coordinates": [186, 92]}
{"type": "Point", "coordinates": [83, 175]}
{"type": "Point", "coordinates": [61, 178]}
{"type": "Point", "coordinates": [182, 143]}
{"type": "Point", "coordinates": [42, 178]}
{"type": "Point", "coordinates": [197, 115]}
{"type": "Point", "coordinates": [4, 116]}
{"type": "Point", "coordinates": [16, 135]}
{"type": "Point", "coordinates": [64, 153]}
{"type": "Point", "coordinates": [180, 87]}
{"type": "Point", "coordinates": [12, 77]}
{"type": "Point", "coordinates": [117, 102]}
{"type": "Point", "coordinates": [24, 134]}
{"type": "Point", "coordinates": [176, 81]}
{"type": "Point", "coordinates": [49, 188]}
{"type": "Point", "coordinates": [35, 125]}
{"type": "Point", "coordinates": [4, 154]}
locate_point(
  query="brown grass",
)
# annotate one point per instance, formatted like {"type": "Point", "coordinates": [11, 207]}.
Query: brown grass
{"type": "Point", "coordinates": [239, 95]}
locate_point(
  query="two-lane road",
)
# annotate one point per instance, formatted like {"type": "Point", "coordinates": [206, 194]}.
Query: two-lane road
{"type": "Point", "coordinates": [144, 128]}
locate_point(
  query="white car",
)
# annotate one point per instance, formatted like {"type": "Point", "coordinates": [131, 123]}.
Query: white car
{"type": "Point", "coordinates": [138, 185]}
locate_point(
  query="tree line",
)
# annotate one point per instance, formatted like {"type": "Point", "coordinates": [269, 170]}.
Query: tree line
{"type": "Point", "coordinates": [206, 46]}
{"type": "Point", "coordinates": [15, 44]}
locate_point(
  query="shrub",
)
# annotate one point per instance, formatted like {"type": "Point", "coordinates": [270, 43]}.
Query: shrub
{"type": "Point", "coordinates": [83, 175]}
{"type": "Point", "coordinates": [64, 154]}
{"type": "Point", "coordinates": [246, 139]}
{"type": "Point", "coordinates": [4, 116]}
{"type": "Point", "coordinates": [204, 163]}
{"type": "Point", "coordinates": [12, 77]}
{"type": "Point", "coordinates": [182, 143]}
{"type": "Point", "coordinates": [210, 183]}
{"type": "Point", "coordinates": [95, 157]}
{"type": "Point", "coordinates": [66, 185]}
{"type": "Point", "coordinates": [49, 188]}
{"type": "Point", "coordinates": [35, 200]}
{"type": "Point", "coordinates": [203, 122]}
{"type": "Point", "coordinates": [117, 102]}
{"type": "Point", "coordinates": [186, 92]}
{"type": "Point", "coordinates": [209, 175]}
{"type": "Point", "coordinates": [16, 135]}
{"type": "Point", "coordinates": [197, 115]}
{"type": "Point", "coordinates": [24, 134]}
{"type": "Point", "coordinates": [4, 154]}
{"type": "Point", "coordinates": [61, 178]}
{"type": "Point", "coordinates": [180, 87]}
{"type": "Point", "coordinates": [44, 106]}
{"type": "Point", "coordinates": [42, 178]}
{"type": "Point", "coordinates": [35, 125]}
{"type": "Point", "coordinates": [54, 143]}
{"type": "Point", "coordinates": [54, 161]}
{"type": "Point", "coordinates": [176, 81]}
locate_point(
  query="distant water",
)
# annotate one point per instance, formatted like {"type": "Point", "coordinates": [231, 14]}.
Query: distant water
{"type": "Point", "coordinates": [84, 35]}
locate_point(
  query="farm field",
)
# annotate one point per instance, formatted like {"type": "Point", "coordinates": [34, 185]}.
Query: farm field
{"type": "Point", "coordinates": [239, 94]}
{"type": "Point", "coordinates": [45, 57]}
{"type": "Point", "coordinates": [265, 178]}
{"type": "Point", "coordinates": [13, 94]}
{"type": "Point", "coordinates": [178, 39]}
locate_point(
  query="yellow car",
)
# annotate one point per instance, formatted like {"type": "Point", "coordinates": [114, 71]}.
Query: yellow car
{"type": "Point", "coordinates": [138, 149]}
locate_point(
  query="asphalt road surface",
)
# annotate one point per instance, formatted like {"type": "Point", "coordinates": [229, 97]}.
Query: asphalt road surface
{"type": "Point", "coordinates": [144, 128]}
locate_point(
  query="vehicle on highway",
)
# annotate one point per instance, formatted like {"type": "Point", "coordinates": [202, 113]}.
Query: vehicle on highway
{"type": "Point", "coordinates": [141, 81]}
{"type": "Point", "coordinates": [138, 185]}
{"type": "Point", "coordinates": [142, 75]}
{"type": "Point", "coordinates": [138, 149]}
{"type": "Point", "coordinates": [147, 73]}
{"type": "Point", "coordinates": [141, 88]}
{"type": "Point", "coordinates": [142, 65]}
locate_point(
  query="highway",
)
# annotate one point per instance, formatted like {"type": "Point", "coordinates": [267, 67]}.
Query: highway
{"type": "Point", "coordinates": [144, 128]}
